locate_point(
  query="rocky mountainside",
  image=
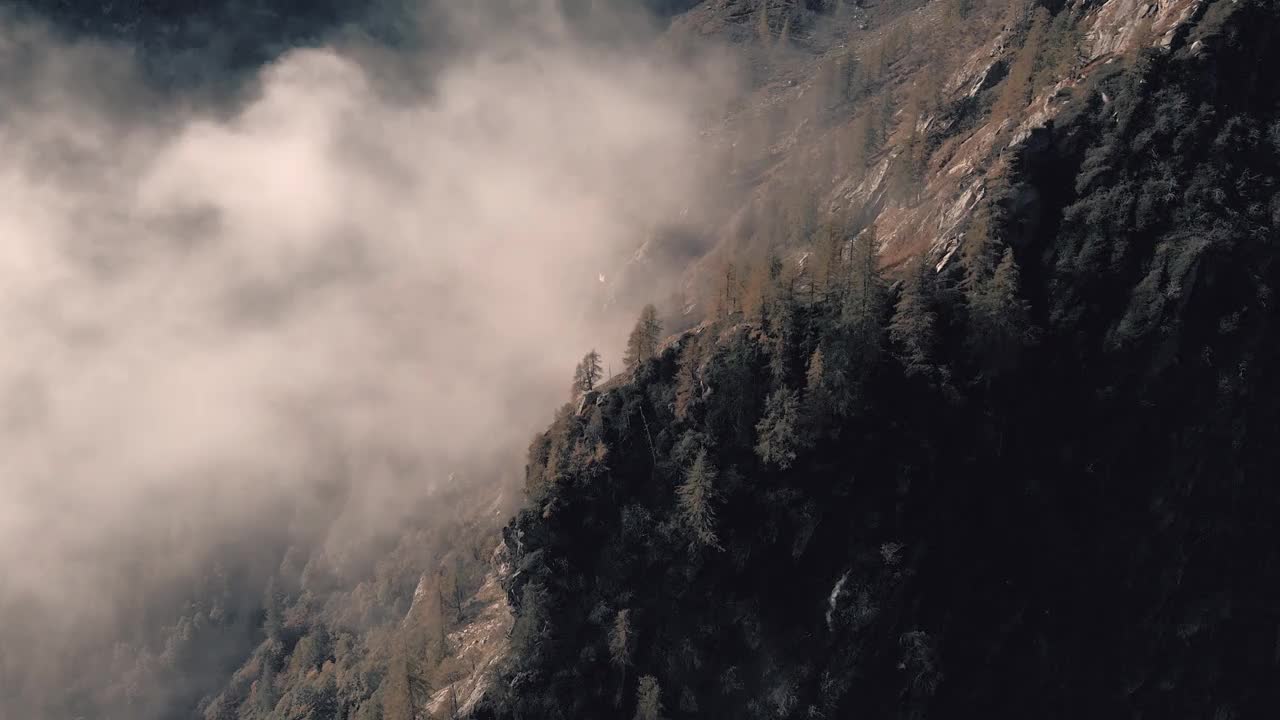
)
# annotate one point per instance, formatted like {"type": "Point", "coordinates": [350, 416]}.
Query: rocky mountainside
{"type": "Point", "coordinates": [885, 112]}
{"type": "Point", "coordinates": [976, 415]}
{"type": "Point", "coordinates": [964, 404]}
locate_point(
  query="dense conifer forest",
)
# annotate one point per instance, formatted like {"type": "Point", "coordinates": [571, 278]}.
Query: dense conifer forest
{"type": "Point", "coordinates": [1037, 482]}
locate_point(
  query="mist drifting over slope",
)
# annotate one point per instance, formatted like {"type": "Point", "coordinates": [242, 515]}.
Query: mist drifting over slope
{"type": "Point", "coordinates": [342, 279]}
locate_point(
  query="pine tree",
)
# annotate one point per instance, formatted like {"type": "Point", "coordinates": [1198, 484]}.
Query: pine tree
{"type": "Point", "coordinates": [755, 290]}
{"type": "Point", "coordinates": [620, 649]}
{"type": "Point", "coordinates": [799, 210]}
{"type": "Point", "coordinates": [817, 395]}
{"type": "Point", "coordinates": [1000, 318]}
{"type": "Point", "coordinates": [913, 328]}
{"type": "Point", "coordinates": [649, 699]}
{"type": "Point", "coordinates": [587, 374]}
{"type": "Point", "coordinates": [686, 382]}
{"type": "Point", "coordinates": [856, 347]}
{"type": "Point", "coordinates": [437, 631]}
{"type": "Point", "coordinates": [264, 690]}
{"type": "Point", "coordinates": [643, 342]}
{"type": "Point", "coordinates": [909, 168]}
{"type": "Point", "coordinates": [815, 375]}
{"type": "Point", "coordinates": [778, 439]}
{"type": "Point", "coordinates": [1060, 49]}
{"type": "Point", "coordinates": [834, 82]}
{"type": "Point", "coordinates": [729, 297]}
{"type": "Point", "coordinates": [273, 604]}
{"type": "Point", "coordinates": [1018, 86]}
{"type": "Point", "coordinates": [405, 691]}
{"type": "Point", "coordinates": [854, 80]}
{"type": "Point", "coordinates": [828, 261]}
{"type": "Point", "coordinates": [452, 588]}
{"type": "Point", "coordinates": [979, 250]}
{"type": "Point", "coordinates": [779, 320]}
{"type": "Point", "coordinates": [864, 305]}
{"type": "Point", "coordinates": [882, 122]}
{"type": "Point", "coordinates": [620, 640]}
{"type": "Point", "coordinates": [695, 498]}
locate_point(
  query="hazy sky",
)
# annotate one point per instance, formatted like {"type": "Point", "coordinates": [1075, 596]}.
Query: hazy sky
{"type": "Point", "coordinates": [203, 311]}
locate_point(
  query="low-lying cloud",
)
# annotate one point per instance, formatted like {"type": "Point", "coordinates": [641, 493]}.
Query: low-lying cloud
{"type": "Point", "coordinates": [202, 312]}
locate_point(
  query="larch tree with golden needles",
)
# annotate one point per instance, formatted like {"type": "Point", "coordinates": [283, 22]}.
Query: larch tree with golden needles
{"type": "Point", "coordinates": [643, 341]}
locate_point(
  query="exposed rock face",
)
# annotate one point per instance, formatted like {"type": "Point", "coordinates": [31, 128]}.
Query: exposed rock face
{"type": "Point", "coordinates": [961, 170]}
{"type": "Point", "coordinates": [480, 645]}
{"type": "Point", "coordinates": [966, 158]}
{"type": "Point", "coordinates": [1121, 25]}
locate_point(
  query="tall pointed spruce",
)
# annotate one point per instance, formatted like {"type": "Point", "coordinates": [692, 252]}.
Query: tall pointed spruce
{"type": "Point", "coordinates": [913, 329]}
{"type": "Point", "coordinates": [695, 498]}
{"type": "Point", "coordinates": [855, 349]}
{"type": "Point", "coordinates": [1000, 318]}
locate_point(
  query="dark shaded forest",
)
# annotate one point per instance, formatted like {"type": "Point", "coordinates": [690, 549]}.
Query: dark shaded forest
{"type": "Point", "coordinates": [1039, 482]}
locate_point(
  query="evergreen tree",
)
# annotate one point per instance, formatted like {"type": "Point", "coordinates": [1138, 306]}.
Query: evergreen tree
{"type": "Point", "coordinates": [882, 122]}
{"type": "Point", "coordinates": [1000, 318]}
{"type": "Point", "coordinates": [855, 347]}
{"type": "Point", "coordinates": [587, 374]}
{"type": "Point", "coordinates": [648, 699]}
{"type": "Point", "coordinates": [863, 309]}
{"type": "Point", "coordinates": [273, 604]}
{"type": "Point", "coordinates": [1019, 85]}
{"type": "Point", "coordinates": [857, 78]}
{"type": "Point", "coordinates": [643, 342]}
{"type": "Point", "coordinates": [981, 246]}
{"type": "Point", "coordinates": [779, 320]}
{"type": "Point", "coordinates": [686, 381]}
{"type": "Point", "coordinates": [756, 291]}
{"type": "Point", "coordinates": [778, 431]}
{"type": "Point", "coordinates": [620, 640]}
{"type": "Point", "coordinates": [452, 588]}
{"type": "Point", "coordinates": [828, 261]}
{"type": "Point", "coordinates": [264, 690]}
{"type": "Point", "coordinates": [695, 498]}
{"type": "Point", "coordinates": [404, 691]}
{"type": "Point", "coordinates": [729, 297]}
{"type": "Point", "coordinates": [814, 376]}
{"type": "Point", "coordinates": [620, 649]}
{"type": "Point", "coordinates": [817, 394]}
{"type": "Point", "coordinates": [913, 328]}
{"type": "Point", "coordinates": [908, 170]}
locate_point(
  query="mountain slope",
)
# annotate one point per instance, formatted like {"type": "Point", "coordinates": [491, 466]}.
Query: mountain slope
{"type": "Point", "coordinates": [968, 408]}
{"type": "Point", "coordinates": [1033, 482]}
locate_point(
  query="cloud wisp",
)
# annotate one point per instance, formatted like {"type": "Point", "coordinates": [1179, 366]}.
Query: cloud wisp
{"type": "Point", "coordinates": [204, 312]}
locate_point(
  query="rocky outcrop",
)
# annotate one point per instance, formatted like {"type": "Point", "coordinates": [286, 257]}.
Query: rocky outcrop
{"type": "Point", "coordinates": [965, 166]}
{"type": "Point", "coordinates": [1118, 26]}
{"type": "Point", "coordinates": [970, 150]}
{"type": "Point", "coordinates": [479, 645]}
